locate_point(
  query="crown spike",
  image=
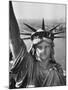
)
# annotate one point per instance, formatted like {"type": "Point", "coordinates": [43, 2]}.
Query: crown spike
{"type": "Point", "coordinates": [59, 32]}
{"type": "Point", "coordinates": [33, 29]}
{"type": "Point", "coordinates": [54, 28]}
{"type": "Point", "coordinates": [43, 24]}
{"type": "Point", "coordinates": [59, 36]}
{"type": "Point", "coordinates": [25, 33]}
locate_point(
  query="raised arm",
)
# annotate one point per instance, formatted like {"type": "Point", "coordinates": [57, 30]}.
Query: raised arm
{"type": "Point", "coordinates": [15, 41]}
{"type": "Point", "coordinates": [17, 45]}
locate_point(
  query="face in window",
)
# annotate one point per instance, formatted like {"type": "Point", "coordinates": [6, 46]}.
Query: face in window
{"type": "Point", "coordinates": [43, 50]}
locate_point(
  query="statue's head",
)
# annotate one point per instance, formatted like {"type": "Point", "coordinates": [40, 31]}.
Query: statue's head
{"type": "Point", "coordinates": [43, 41]}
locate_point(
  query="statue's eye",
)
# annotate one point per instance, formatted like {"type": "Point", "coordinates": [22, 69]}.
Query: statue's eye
{"type": "Point", "coordinates": [47, 46]}
{"type": "Point", "coordinates": [39, 47]}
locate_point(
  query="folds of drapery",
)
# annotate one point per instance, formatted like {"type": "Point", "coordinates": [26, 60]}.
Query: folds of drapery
{"type": "Point", "coordinates": [54, 78]}
{"type": "Point", "coordinates": [51, 76]}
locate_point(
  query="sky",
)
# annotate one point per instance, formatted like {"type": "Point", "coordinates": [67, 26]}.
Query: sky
{"type": "Point", "coordinates": [47, 11]}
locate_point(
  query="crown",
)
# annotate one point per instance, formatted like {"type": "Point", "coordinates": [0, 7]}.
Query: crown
{"type": "Point", "coordinates": [42, 32]}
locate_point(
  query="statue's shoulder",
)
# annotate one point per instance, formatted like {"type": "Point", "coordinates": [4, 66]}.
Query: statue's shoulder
{"type": "Point", "coordinates": [53, 65]}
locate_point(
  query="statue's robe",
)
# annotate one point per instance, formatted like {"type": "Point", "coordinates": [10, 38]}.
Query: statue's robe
{"type": "Point", "coordinates": [26, 70]}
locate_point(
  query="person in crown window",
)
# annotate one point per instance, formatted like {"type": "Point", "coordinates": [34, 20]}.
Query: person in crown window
{"type": "Point", "coordinates": [36, 68]}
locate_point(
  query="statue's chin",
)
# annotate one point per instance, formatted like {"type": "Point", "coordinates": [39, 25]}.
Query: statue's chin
{"type": "Point", "coordinates": [44, 58]}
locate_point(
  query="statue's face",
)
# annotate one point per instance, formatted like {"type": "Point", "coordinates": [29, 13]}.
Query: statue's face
{"type": "Point", "coordinates": [43, 50]}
